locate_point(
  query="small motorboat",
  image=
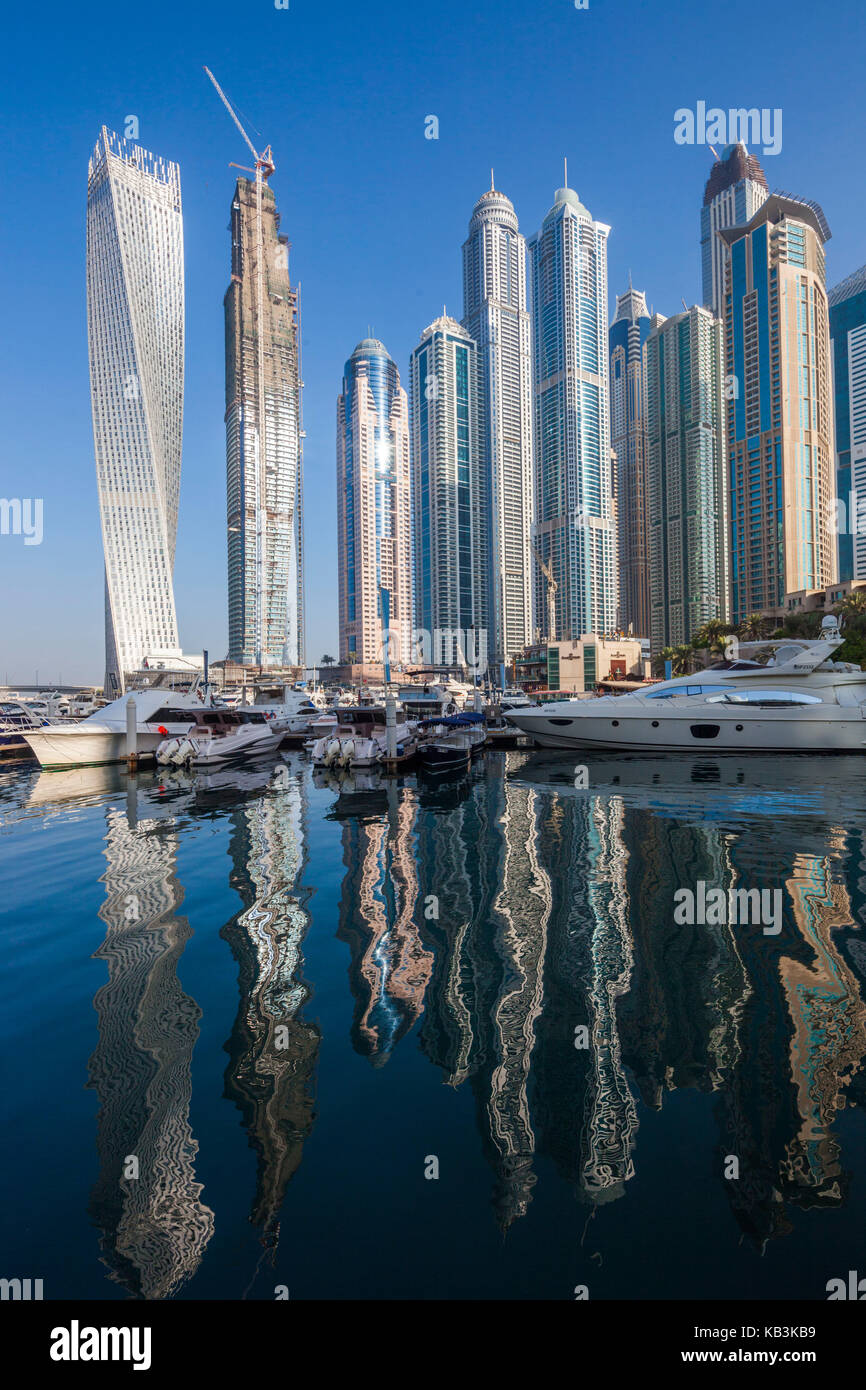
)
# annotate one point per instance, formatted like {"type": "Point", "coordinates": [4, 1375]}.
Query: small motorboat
{"type": "Point", "coordinates": [450, 743]}
{"type": "Point", "coordinates": [219, 736]}
{"type": "Point", "coordinates": [360, 738]}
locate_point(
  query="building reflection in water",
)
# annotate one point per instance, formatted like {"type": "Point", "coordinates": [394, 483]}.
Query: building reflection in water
{"type": "Point", "coordinates": [380, 912]}
{"type": "Point", "coordinates": [273, 1051]}
{"type": "Point", "coordinates": [155, 1226]}
{"type": "Point", "coordinates": [555, 912]}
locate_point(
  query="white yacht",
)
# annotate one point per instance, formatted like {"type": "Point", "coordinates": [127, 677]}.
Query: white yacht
{"type": "Point", "coordinates": [798, 700]}
{"type": "Point", "coordinates": [360, 739]}
{"type": "Point", "coordinates": [101, 737]}
{"type": "Point", "coordinates": [219, 736]}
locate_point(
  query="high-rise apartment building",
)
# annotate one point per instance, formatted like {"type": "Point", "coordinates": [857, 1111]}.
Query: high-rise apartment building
{"type": "Point", "coordinates": [628, 333]}
{"type": "Point", "coordinates": [263, 440]}
{"type": "Point", "coordinates": [575, 531]}
{"type": "Point", "coordinates": [495, 316]}
{"type": "Point", "coordinates": [734, 191]}
{"type": "Point", "coordinates": [374, 510]}
{"type": "Point", "coordinates": [450, 539]}
{"type": "Point", "coordinates": [781, 464]}
{"type": "Point", "coordinates": [135, 332]}
{"type": "Point", "coordinates": [848, 345]}
{"type": "Point", "coordinates": [685, 477]}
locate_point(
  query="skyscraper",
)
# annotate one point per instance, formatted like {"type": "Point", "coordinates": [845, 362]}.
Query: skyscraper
{"type": "Point", "coordinates": [779, 416]}
{"type": "Point", "coordinates": [450, 540]}
{"type": "Point", "coordinates": [374, 519]}
{"type": "Point", "coordinates": [848, 344]}
{"type": "Point", "coordinates": [628, 333]}
{"type": "Point", "coordinates": [685, 483]}
{"type": "Point", "coordinates": [135, 327]}
{"type": "Point", "coordinates": [734, 191]}
{"type": "Point", "coordinates": [263, 441]}
{"type": "Point", "coordinates": [574, 523]}
{"type": "Point", "coordinates": [496, 318]}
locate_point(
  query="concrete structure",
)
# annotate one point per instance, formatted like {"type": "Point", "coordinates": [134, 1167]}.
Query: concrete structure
{"type": "Point", "coordinates": [374, 516]}
{"type": "Point", "coordinates": [495, 316]}
{"type": "Point", "coordinates": [580, 665]}
{"type": "Point", "coordinates": [781, 462]}
{"type": "Point", "coordinates": [135, 333]}
{"type": "Point", "coordinates": [263, 442]}
{"type": "Point", "coordinates": [847, 305]}
{"type": "Point", "coordinates": [574, 531]}
{"type": "Point", "coordinates": [450, 539]}
{"type": "Point", "coordinates": [734, 191]}
{"type": "Point", "coordinates": [685, 484]}
{"type": "Point", "coordinates": [628, 333]}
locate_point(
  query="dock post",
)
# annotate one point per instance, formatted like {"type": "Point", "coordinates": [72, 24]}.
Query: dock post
{"type": "Point", "coordinates": [390, 729]}
{"type": "Point", "coordinates": [131, 735]}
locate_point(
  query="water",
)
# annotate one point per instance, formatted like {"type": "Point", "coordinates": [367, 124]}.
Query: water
{"type": "Point", "coordinates": [284, 1000]}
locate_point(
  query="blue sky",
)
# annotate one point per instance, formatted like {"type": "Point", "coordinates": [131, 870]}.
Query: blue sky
{"type": "Point", "coordinates": [376, 215]}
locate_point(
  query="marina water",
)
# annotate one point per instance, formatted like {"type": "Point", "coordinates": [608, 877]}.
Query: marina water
{"type": "Point", "coordinates": [271, 1033]}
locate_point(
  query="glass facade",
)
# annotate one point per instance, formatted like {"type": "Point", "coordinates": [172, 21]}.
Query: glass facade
{"type": "Point", "coordinates": [574, 531]}
{"type": "Point", "coordinates": [848, 344]}
{"type": "Point", "coordinates": [374, 539]}
{"type": "Point", "coordinates": [135, 328]}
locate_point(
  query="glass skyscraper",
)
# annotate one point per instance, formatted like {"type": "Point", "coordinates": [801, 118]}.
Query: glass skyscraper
{"type": "Point", "coordinates": [135, 333]}
{"type": "Point", "coordinates": [374, 519]}
{"type": "Point", "coordinates": [848, 344]}
{"type": "Point", "coordinates": [263, 442]}
{"type": "Point", "coordinates": [779, 417]}
{"type": "Point", "coordinates": [628, 333]}
{"type": "Point", "coordinates": [495, 316]}
{"type": "Point", "coordinates": [575, 528]}
{"type": "Point", "coordinates": [734, 191]}
{"type": "Point", "coordinates": [685, 482]}
{"type": "Point", "coordinates": [451, 572]}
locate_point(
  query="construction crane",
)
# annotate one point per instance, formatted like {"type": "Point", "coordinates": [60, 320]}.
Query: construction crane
{"type": "Point", "coordinates": [264, 167]}
{"type": "Point", "coordinates": [552, 587]}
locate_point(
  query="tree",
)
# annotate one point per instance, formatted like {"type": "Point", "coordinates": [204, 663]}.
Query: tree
{"type": "Point", "coordinates": [679, 657]}
{"type": "Point", "coordinates": [327, 661]}
{"type": "Point", "coordinates": [752, 628]}
{"type": "Point", "coordinates": [711, 636]}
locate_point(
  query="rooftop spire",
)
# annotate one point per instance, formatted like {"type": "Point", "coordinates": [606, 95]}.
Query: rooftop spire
{"type": "Point", "coordinates": [492, 189]}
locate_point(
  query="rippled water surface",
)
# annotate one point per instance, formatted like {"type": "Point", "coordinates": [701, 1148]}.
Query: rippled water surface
{"type": "Point", "coordinates": [245, 1013]}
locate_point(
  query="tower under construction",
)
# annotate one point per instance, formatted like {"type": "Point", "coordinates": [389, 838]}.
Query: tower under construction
{"type": "Point", "coordinates": [264, 479]}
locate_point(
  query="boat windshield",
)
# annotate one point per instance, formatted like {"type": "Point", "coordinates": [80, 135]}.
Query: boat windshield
{"type": "Point", "coordinates": [764, 697]}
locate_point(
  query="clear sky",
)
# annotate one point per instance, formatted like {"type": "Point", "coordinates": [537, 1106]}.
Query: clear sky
{"type": "Point", "coordinates": [376, 215]}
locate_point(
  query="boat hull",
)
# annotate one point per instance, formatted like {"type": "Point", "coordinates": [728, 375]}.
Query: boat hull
{"type": "Point", "coordinates": [77, 748]}
{"type": "Point", "coordinates": [838, 730]}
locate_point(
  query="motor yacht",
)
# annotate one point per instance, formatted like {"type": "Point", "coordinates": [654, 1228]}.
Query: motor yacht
{"type": "Point", "coordinates": [219, 736]}
{"type": "Point", "coordinates": [101, 737]}
{"type": "Point", "coordinates": [360, 738]}
{"type": "Point", "coordinates": [792, 698]}
{"type": "Point", "coordinates": [289, 710]}
{"type": "Point", "coordinates": [16, 720]}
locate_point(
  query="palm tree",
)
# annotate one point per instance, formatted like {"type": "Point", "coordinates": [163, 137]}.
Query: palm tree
{"type": "Point", "coordinates": [853, 606]}
{"type": "Point", "coordinates": [752, 628]}
{"type": "Point", "coordinates": [679, 657]}
{"type": "Point", "coordinates": [711, 637]}
{"type": "Point", "coordinates": [327, 661]}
